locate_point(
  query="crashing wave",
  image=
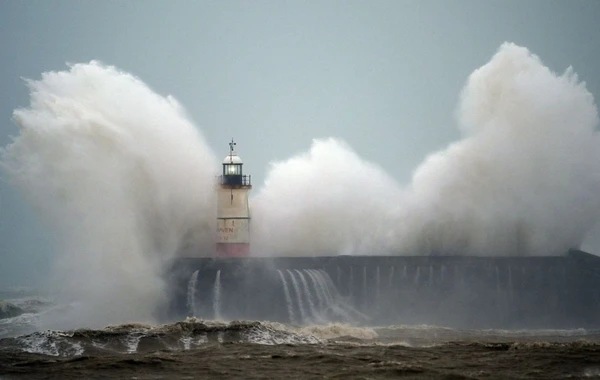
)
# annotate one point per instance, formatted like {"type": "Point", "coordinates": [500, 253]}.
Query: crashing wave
{"type": "Point", "coordinates": [9, 310]}
{"type": "Point", "coordinates": [32, 304]}
{"type": "Point", "coordinates": [142, 338]}
{"type": "Point", "coordinates": [193, 333]}
{"type": "Point", "coordinates": [339, 330]}
{"type": "Point", "coordinates": [19, 325]}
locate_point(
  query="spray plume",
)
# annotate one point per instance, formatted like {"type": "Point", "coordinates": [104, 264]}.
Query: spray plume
{"type": "Point", "coordinates": [325, 202]}
{"type": "Point", "coordinates": [123, 178]}
{"type": "Point", "coordinates": [523, 180]}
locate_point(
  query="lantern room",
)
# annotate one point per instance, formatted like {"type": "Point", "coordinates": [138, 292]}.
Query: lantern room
{"type": "Point", "coordinates": [232, 169]}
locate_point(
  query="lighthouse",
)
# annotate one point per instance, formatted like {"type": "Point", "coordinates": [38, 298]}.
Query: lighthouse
{"type": "Point", "coordinates": [233, 212]}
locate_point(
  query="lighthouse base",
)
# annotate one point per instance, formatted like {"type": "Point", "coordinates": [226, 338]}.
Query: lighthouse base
{"type": "Point", "coordinates": [233, 249]}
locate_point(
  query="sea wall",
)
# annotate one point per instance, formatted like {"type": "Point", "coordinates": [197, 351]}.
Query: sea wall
{"type": "Point", "coordinates": [474, 292]}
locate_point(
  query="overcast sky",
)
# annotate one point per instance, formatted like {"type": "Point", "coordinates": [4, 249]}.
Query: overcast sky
{"type": "Point", "coordinates": [384, 76]}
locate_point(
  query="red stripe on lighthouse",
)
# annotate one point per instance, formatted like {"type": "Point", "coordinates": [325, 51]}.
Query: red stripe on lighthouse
{"type": "Point", "coordinates": [233, 249]}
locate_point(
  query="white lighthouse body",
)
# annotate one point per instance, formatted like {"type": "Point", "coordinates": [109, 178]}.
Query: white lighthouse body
{"type": "Point", "coordinates": [233, 212]}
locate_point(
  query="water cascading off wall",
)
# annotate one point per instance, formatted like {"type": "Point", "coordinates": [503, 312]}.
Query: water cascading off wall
{"type": "Point", "coordinates": [217, 296]}
{"type": "Point", "coordinates": [464, 292]}
{"type": "Point", "coordinates": [288, 297]}
{"type": "Point", "coordinates": [311, 298]}
{"type": "Point", "coordinates": [191, 293]}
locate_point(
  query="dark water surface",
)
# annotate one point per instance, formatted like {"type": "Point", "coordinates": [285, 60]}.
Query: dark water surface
{"type": "Point", "coordinates": [343, 361]}
{"type": "Point", "coordinates": [261, 350]}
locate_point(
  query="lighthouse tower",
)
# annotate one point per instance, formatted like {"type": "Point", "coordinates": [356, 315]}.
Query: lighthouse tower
{"type": "Point", "coordinates": [233, 213]}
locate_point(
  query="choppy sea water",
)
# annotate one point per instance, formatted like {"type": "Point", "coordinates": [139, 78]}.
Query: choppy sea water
{"type": "Point", "coordinates": [196, 348]}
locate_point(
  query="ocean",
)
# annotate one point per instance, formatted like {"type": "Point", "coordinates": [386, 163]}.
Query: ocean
{"type": "Point", "coordinates": [195, 348]}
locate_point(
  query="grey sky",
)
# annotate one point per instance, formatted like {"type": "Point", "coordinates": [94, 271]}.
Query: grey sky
{"type": "Point", "coordinates": [383, 75]}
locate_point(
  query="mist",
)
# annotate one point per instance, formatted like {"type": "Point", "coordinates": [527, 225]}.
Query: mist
{"type": "Point", "coordinates": [524, 179]}
{"type": "Point", "coordinates": [122, 177]}
{"type": "Point", "coordinates": [327, 201]}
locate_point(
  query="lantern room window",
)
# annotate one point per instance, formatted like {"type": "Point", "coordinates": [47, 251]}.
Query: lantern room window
{"type": "Point", "coordinates": [232, 169]}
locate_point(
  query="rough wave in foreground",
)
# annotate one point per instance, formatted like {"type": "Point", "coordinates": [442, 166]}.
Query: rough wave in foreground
{"type": "Point", "coordinates": [142, 338]}
{"type": "Point", "coordinates": [194, 333]}
{"type": "Point", "coordinates": [212, 349]}
{"type": "Point", "coordinates": [19, 316]}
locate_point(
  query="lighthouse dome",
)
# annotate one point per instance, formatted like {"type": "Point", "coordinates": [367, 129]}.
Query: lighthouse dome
{"type": "Point", "coordinates": [232, 159]}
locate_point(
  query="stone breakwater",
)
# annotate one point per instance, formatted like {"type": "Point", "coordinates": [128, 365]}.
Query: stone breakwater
{"type": "Point", "coordinates": [464, 292]}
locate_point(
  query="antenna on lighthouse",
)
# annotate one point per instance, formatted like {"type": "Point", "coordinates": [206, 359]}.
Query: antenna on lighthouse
{"type": "Point", "coordinates": [231, 145]}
